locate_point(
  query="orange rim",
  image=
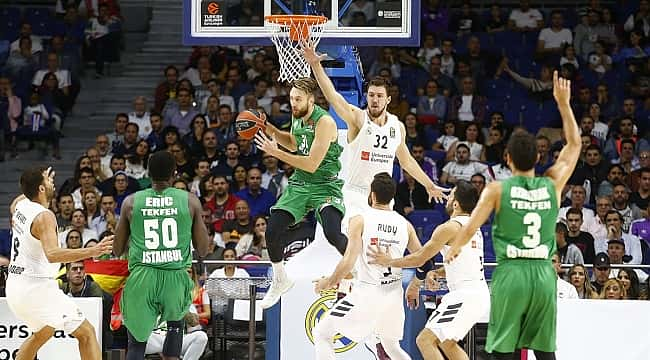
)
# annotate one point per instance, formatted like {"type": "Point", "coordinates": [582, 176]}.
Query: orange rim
{"type": "Point", "coordinates": [289, 19]}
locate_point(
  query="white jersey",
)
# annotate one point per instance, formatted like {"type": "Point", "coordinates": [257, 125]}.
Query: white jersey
{"type": "Point", "coordinates": [388, 230]}
{"type": "Point", "coordinates": [468, 266]}
{"type": "Point", "coordinates": [27, 255]}
{"type": "Point", "coordinates": [372, 151]}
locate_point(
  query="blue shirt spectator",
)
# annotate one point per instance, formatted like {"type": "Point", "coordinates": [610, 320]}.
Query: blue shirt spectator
{"type": "Point", "coordinates": [258, 198]}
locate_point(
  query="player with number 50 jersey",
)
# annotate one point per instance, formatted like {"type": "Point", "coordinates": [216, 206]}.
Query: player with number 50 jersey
{"type": "Point", "coordinates": [161, 222]}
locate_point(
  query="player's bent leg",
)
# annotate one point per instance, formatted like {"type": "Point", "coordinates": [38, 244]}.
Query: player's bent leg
{"type": "Point", "coordinates": [278, 223]}
{"type": "Point", "coordinates": [136, 349]}
{"type": "Point", "coordinates": [503, 356]}
{"type": "Point", "coordinates": [324, 333]}
{"type": "Point", "coordinates": [88, 346]}
{"type": "Point", "coordinates": [173, 340]}
{"type": "Point", "coordinates": [427, 343]}
{"type": "Point", "coordinates": [30, 347]}
{"type": "Point", "coordinates": [331, 219]}
{"type": "Point", "coordinates": [453, 351]}
{"type": "Point", "coordinates": [194, 344]}
{"type": "Point", "coordinates": [542, 355]}
{"type": "Point", "coordinates": [393, 350]}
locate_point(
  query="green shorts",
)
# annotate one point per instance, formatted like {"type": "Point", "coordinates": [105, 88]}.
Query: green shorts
{"type": "Point", "coordinates": [523, 307]}
{"type": "Point", "coordinates": [153, 295]}
{"type": "Point", "coordinates": [298, 200]}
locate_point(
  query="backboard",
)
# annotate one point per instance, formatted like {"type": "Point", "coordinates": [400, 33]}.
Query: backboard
{"type": "Point", "coordinates": [352, 22]}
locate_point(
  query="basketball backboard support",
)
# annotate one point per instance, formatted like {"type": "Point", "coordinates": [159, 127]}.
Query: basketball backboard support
{"type": "Point", "coordinates": [241, 22]}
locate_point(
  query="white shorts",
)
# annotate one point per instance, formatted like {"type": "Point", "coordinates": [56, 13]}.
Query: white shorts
{"type": "Point", "coordinates": [368, 310]}
{"type": "Point", "coordinates": [459, 310]}
{"type": "Point", "coordinates": [40, 303]}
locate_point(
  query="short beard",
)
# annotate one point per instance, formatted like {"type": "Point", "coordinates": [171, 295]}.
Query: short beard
{"type": "Point", "coordinates": [375, 115]}
{"type": "Point", "coordinates": [300, 113]}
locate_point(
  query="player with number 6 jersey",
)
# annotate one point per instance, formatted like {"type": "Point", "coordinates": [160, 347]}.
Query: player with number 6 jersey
{"type": "Point", "coordinates": [162, 223]}
{"type": "Point", "coordinates": [523, 294]}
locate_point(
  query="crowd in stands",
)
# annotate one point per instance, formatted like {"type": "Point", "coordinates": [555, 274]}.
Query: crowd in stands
{"type": "Point", "coordinates": [477, 77]}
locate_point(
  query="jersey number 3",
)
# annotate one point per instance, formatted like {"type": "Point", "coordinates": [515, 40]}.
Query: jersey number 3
{"type": "Point", "coordinates": [155, 229]}
{"type": "Point", "coordinates": [533, 223]}
{"type": "Point", "coordinates": [381, 141]}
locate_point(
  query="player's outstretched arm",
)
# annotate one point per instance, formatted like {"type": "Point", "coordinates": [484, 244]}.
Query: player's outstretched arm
{"type": "Point", "coordinates": [200, 237]}
{"type": "Point", "coordinates": [441, 236]}
{"type": "Point", "coordinates": [412, 167]}
{"type": "Point", "coordinates": [346, 264]}
{"type": "Point", "coordinates": [123, 231]}
{"type": "Point", "coordinates": [283, 138]}
{"type": "Point", "coordinates": [324, 134]}
{"type": "Point", "coordinates": [348, 112]}
{"type": "Point", "coordinates": [488, 201]}
{"type": "Point", "coordinates": [568, 158]}
{"type": "Point", "coordinates": [44, 229]}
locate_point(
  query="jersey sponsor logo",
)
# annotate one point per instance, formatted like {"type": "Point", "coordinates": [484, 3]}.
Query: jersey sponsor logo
{"type": "Point", "coordinates": [13, 269]}
{"type": "Point", "coordinates": [374, 241]}
{"type": "Point", "coordinates": [374, 157]}
{"type": "Point", "coordinates": [392, 132]}
{"type": "Point", "coordinates": [539, 252]}
{"type": "Point", "coordinates": [161, 256]}
{"type": "Point", "coordinates": [523, 199]}
{"type": "Point", "coordinates": [321, 306]}
{"type": "Point", "coordinates": [365, 155]}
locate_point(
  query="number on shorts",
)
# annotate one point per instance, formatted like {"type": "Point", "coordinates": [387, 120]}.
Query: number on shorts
{"type": "Point", "coordinates": [388, 272]}
{"type": "Point", "coordinates": [152, 235]}
{"type": "Point", "coordinates": [533, 222]}
{"type": "Point", "coordinates": [16, 243]}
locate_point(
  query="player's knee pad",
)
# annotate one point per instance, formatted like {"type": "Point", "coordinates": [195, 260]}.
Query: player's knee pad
{"type": "Point", "coordinates": [541, 355]}
{"type": "Point", "coordinates": [136, 349]}
{"type": "Point", "coordinates": [174, 339]}
{"type": "Point", "coordinates": [502, 356]}
{"type": "Point", "coordinates": [331, 221]}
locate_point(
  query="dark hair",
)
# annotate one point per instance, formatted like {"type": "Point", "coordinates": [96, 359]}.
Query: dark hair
{"type": "Point", "coordinates": [106, 194]}
{"type": "Point", "coordinates": [170, 67]}
{"type": "Point", "coordinates": [462, 145]}
{"type": "Point", "coordinates": [161, 166]}
{"type": "Point", "coordinates": [92, 241]}
{"type": "Point", "coordinates": [592, 146]}
{"type": "Point", "coordinates": [633, 293]}
{"type": "Point", "coordinates": [644, 170]}
{"type": "Point", "coordinates": [383, 187]}
{"type": "Point", "coordinates": [574, 211]}
{"type": "Point", "coordinates": [228, 249]}
{"type": "Point", "coordinates": [560, 227]}
{"type": "Point", "coordinates": [137, 127]}
{"type": "Point", "coordinates": [612, 211]}
{"type": "Point", "coordinates": [481, 176]}
{"type": "Point", "coordinates": [202, 182]}
{"type": "Point", "coordinates": [466, 195]}
{"type": "Point", "coordinates": [67, 237]}
{"type": "Point", "coordinates": [30, 180]}
{"type": "Point", "coordinates": [62, 195]}
{"type": "Point", "coordinates": [619, 166]}
{"type": "Point", "coordinates": [123, 115]}
{"type": "Point", "coordinates": [522, 148]}
{"type": "Point", "coordinates": [86, 170]}
{"type": "Point", "coordinates": [627, 141]}
{"type": "Point", "coordinates": [306, 84]}
{"type": "Point", "coordinates": [380, 82]}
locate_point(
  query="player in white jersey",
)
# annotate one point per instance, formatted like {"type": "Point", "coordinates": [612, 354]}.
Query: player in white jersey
{"type": "Point", "coordinates": [33, 294]}
{"type": "Point", "coordinates": [468, 299]}
{"type": "Point", "coordinates": [375, 306]}
{"type": "Point", "coordinates": [375, 139]}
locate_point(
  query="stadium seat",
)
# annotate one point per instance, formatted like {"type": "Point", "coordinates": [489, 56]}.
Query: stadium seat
{"type": "Point", "coordinates": [8, 12]}
{"type": "Point", "coordinates": [42, 27]}
{"type": "Point", "coordinates": [39, 13]}
{"type": "Point", "coordinates": [435, 155]}
{"type": "Point", "coordinates": [426, 220]}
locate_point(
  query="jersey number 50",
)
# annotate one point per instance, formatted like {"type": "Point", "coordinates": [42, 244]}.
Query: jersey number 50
{"type": "Point", "coordinates": [155, 229]}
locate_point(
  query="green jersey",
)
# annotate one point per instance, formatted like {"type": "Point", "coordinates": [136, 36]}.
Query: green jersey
{"type": "Point", "coordinates": [161, 230]}
{"type": "Point", "coordinates": [303, 132]}
{"type": "Point", "coordinates": [524, 227]}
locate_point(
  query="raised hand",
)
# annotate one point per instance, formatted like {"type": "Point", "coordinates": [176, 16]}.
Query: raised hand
{"type": "Point", "coordinates": [437, 193]}
{"type": "Point", "coordinates": [312, 57]}
{"type": "Point", "coordinates": [561, 89]}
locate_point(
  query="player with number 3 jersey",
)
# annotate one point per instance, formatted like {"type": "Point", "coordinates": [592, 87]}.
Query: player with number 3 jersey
{"type": "Point", "coordinates": [161, 222]}
{"type": "Point", "coordinates": [523, 299]}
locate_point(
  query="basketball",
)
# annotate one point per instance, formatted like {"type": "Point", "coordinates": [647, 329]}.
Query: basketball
{"type": "Point", "coordinates": [249, 122]}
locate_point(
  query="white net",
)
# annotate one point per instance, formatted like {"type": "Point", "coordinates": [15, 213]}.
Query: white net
{"type": "Point", "coordinates": [289, 36]}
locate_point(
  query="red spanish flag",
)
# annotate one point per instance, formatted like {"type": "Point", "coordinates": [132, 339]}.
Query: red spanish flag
{"type": "Point", "coordinates": [110, 275]}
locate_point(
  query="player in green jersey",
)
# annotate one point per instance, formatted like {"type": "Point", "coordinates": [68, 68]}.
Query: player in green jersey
{"type": "Point", "coordinates": [523, 295]}
{"type": "Point", "coordinates": [162, 223]}
{"type": "Point", "coordinates": [314, 151]}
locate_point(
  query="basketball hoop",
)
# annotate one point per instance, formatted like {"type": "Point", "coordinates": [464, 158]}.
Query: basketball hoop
{"type": "Point", "coordinates": [289, 33]}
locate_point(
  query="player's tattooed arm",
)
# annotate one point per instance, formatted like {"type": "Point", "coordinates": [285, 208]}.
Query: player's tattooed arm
{"type": "Point", "coordinates": [352, 115]}
{"type": "Point", "coordinates": [412, 167]}
{"type": "Point", "coordinates": [123, 231]}
{"type": "Point", "coordinates": [488, 201]}
{"type": "Point", "coordinates": [324, 134]}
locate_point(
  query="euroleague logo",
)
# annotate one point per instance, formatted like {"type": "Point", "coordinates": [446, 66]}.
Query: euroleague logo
{"type": "Point", "coordinates": [314, 313]}
{"type": "Point", "coordinates": [213, 8]}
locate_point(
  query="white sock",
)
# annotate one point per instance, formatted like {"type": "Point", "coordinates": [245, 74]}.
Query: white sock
{"type": "Point", "coordinates": [278, 271]}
